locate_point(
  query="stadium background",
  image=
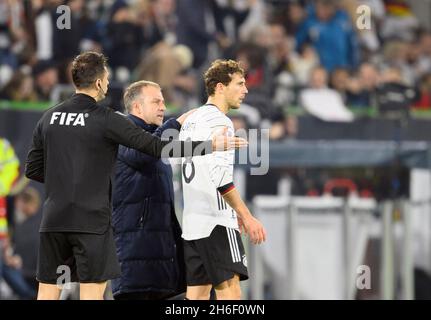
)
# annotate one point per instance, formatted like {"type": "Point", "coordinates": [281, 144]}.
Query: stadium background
{"type": "Point", "coordinates": [346, 199]}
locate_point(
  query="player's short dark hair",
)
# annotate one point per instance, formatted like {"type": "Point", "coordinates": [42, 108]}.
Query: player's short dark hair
{"type": "Point", "coordinates": [221, 71]}
{"type": "Point", "coordinates": [87, 67]}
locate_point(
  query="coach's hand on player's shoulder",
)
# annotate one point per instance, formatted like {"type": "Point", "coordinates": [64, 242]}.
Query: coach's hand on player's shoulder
{"type": "Point", "coordinates": [254, 229]}
{"type": "Point", "coordinates": [184, 116]}
{"type": "Point", "coordinates": [222, 142]}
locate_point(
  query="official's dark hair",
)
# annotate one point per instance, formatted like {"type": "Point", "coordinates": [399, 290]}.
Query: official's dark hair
{"type": "Point", "coordinates": [221, 71]}
{"type": "Point", "coordinates": [87, 67]}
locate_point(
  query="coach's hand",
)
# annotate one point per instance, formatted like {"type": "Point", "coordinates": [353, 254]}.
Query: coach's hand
{"type": "Point", "coordinates": [254, 229]}
{"type": "Point", "coordinates": [222, 142]}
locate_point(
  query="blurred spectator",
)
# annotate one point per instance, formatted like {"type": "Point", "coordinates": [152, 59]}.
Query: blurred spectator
{"type": "Point", "coordinates": [394, 96]}
{"type": "Point", "coordinates": [20, 88]}
{"type": "Point", "coordinates": [11, 39]}
{"type": "Point", "coordinates": [331, 33]}
{"type": "Point", "coordinates": [279, 55]}
{"type": "Point", "coordinates": [161, 25]}
{"type": "Point", "coordinates": [9, 168]}
{"type": "Point", "coordinates": [45, 24]}
{"type": "Point", "coordinates": [339, 79]}
{"type": "Point", "coordinates": [399, 22]}
{"type": "Point", "coordinates": [229, 16]}
{"type": "Point", "coordinates": [7, 56]}
{"type": "Point", "coordinates": [259, 79]}
{"type": "Point", "coordinates": [294, 16]}
{"type": "Point", "coordinates": [302, 62]}
{"type": "Point", "coordinates": [395, 55]}
{"type": "Point", "coordinates": [349, 87]}
{"type": "Point", "coordinates": [82, 35]}
{"type": "Point", "coordinates": [257, 15]}
{"type": "Point", "coordinates": [10, 263]}
{"type": "Point", "coordinates": [9, 172]}
{"type": "Point", "coordinates": [423, 62]}
{"type": "Point", "coordinates": [424, 95]}
{"type": "Point", "coordinates": [170, 67]}
{"type": "Point", "coordinates": [46, 77]}
{"type": "Point", "coordinates": [123, 39]}
{"type": "Point", "coordinates": [279, 49]}
{"type": "Point", "coordinates": [290, 14]}
{"type": "Point", "coordinates": [10, 271]}
{"type": "Point", "coordinates": [26, 234]}
{"type": "Point", "coordinates": [261, 36]}
{"type": "Point", "coordinates": [321, 101]}
{"type": "Point", "coordinates": [368, 78]}
{"type": "Point", "coordinates": [195, 29]}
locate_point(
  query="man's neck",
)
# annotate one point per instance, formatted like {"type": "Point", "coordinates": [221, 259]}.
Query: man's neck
{"type": "Point", "coordinates": [90, 93]}
{"type": "Point", "coordinates": [219, 103]}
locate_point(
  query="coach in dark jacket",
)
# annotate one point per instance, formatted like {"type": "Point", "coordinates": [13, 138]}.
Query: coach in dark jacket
{"type": "Point", "coordinates": [146, 230]}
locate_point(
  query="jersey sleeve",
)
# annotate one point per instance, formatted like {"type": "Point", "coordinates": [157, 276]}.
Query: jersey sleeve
{"type": "Point", "coordinates": [221, 164]}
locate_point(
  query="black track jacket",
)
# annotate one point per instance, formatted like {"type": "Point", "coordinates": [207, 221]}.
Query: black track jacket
{"type": "Point", "coordinates": [74, 151]}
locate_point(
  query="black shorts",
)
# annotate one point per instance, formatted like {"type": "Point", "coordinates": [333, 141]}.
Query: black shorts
{"type": "Point", "coordinates": [86, 257]}
{"type": "Point", "coordinates": [215, 259]}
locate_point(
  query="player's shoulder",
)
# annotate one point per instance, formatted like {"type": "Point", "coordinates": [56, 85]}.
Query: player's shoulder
{"type": "Point", "coordinates": [210, 114]}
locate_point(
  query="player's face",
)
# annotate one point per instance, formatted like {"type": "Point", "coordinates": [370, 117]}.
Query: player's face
{"type": "Point", "coordinates": [153, 105]}
{"type": "Point", "coordinates": [236, 91]}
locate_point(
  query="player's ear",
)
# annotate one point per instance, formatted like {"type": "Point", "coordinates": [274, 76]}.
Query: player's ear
{"type": "Point", "coordinates": [219, 86]}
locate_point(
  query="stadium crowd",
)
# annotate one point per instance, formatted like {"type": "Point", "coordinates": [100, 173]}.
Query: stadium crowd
{"type": "Point", "coordinates": [286, 46]}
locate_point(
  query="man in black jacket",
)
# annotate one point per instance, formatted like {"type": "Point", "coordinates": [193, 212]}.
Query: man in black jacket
{"type": "Point", "coordinates": [73, 152]}
{"type": "Point", "coordinates": [146, 230]}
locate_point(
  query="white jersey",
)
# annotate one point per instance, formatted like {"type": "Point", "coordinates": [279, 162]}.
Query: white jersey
{"type": "Point", "coordinates": [204, 206]}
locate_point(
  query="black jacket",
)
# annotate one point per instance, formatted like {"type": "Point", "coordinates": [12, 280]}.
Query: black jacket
{"type": "Point", "coordinates": [146, 230]}
{"type": "Point", "coordinates": [74, 150]}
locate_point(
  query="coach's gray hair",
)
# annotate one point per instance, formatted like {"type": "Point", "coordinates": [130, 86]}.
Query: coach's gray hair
{"type": "Point", "coordinates": [134, 91]}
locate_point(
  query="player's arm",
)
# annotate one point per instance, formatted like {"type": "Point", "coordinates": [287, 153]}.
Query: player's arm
{"type": "Point", "coordinates": [221, 174]}
{"type": "Point", "coordinates": [251, 225]}
{"type": "Point", "coordinates": [35, 163]}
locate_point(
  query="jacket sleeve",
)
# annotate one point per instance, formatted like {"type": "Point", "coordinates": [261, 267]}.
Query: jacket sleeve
{"type": "Point", "coordinates": [35, 163]}
{"type": "Point", "coordinates": [137, 159]}
{"type": "Point", "coordinates": [122, 131]}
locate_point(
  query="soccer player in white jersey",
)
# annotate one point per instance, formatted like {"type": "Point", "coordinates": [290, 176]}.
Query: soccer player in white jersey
{"type": "Point", "coordinates": [213, 250]}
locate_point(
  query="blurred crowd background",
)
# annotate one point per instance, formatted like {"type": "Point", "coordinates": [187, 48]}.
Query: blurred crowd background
{"type": "Point", "coordinates": [374, 64]}
{"type": "Point", "coordinates": [281, 43]}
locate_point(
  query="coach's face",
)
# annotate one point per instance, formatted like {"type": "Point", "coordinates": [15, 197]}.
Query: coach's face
{"type": "Point", "coordinates": [235, 91]}
{"type": "Point", "coordinates": [152, 105]}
